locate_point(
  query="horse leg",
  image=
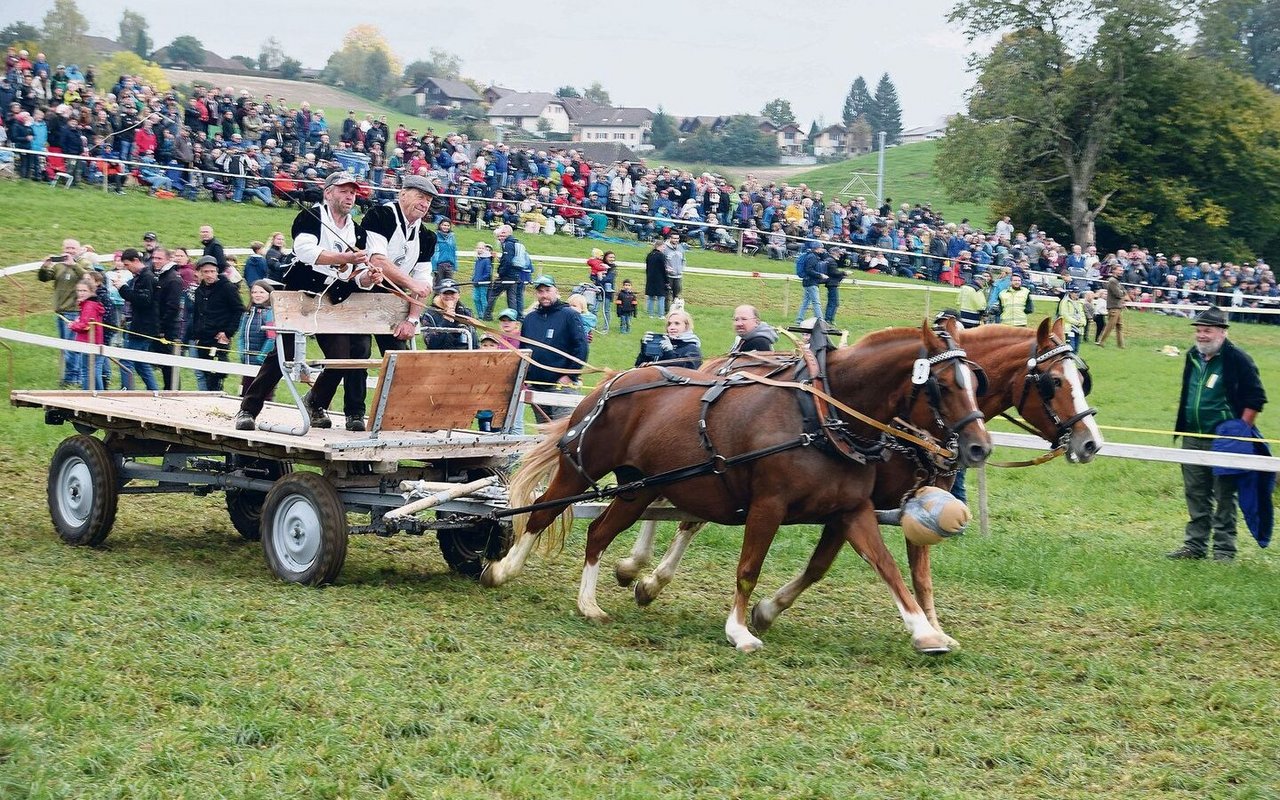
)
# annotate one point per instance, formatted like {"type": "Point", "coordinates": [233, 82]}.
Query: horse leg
{"type": "Point", "coordinates": [619, 515]}
{"type": "Point", "coordinates": [648, 589]}
{"type": "Point", "coordinates": [567, 482]}
{"type": "Point", "coordinates": [762, 525]}
{"type": "Point", "coordinates": [922, 582]}
{"type": "Point", "coordinates": [628, 568]}
{"type": "Point", "coordinates": [824, 554]}
{"type": "Point", "coordinates": [863, 533]}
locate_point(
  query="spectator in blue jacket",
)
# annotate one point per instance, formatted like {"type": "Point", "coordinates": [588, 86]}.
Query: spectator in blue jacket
{"type": "Point", "coordinates": [553, 323]}
{"type": "Point", "coordinates": [810, 269]}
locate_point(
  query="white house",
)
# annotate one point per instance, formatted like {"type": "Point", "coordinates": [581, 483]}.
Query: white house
{"type": "Point", "coordinates": [525, 109]}
{"type": "Point", "coordinates": [630, 126]}
{"type": "Point", "coordinates": [924, 133]}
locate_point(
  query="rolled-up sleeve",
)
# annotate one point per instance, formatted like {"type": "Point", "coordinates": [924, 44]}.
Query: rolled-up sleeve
{"type": "Point", "coordinates": [306, 248]}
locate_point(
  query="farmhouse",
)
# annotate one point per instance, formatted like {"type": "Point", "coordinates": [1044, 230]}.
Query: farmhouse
{"type": "Point", "coordinates": [526, 109]}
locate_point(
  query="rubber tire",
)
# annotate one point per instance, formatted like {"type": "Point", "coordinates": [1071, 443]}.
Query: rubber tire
{"type": "Point", "coordinates": [467, 550]}
{"type": "Point", "coordinates": [88, 465]}
{"type": "Point", "coordinates": [245, 506]}
{"type": "Point", "coordinates": [304, 498]}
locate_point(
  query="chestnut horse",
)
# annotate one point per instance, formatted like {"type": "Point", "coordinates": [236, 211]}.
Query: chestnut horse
{"type": "Point", "coordinates": [764, 468]}
{"type": "Point", "coordinates": [1031, 372]}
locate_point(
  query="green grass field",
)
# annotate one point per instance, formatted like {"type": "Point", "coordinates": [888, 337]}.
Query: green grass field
{"type": "Point", "coordinates": [169, 663]}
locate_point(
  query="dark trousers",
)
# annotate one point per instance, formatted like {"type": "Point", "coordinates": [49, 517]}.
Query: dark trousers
{"type": "Point", "coordinates": [334, 345]}
{"type": "Point", "coordinates": [213, 351]}
{"type": "Point", "coordinates": [170, 374]}
{"type": "Point", "coordinates": [1211, 504]}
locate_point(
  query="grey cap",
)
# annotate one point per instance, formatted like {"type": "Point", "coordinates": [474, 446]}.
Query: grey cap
{"type": "Point", "coordinates": [206, 260]}
{"type": "Point", "coordinates": [447, 285]}
{"type": "Point", "coordinates": [422, 184]}
{"type": "Point", "coordinates": [340, 178]}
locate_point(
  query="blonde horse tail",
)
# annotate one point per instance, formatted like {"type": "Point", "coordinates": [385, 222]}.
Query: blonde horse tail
{"type": "Point", "coordinates": [536, 469]}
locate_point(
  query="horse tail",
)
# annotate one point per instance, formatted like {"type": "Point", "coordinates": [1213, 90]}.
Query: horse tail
{"type": "Point", "coordinates": [537, 468]}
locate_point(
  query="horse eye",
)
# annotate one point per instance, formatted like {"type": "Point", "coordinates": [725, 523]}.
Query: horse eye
{"type": "Point", "coordinates": [1057, 382]}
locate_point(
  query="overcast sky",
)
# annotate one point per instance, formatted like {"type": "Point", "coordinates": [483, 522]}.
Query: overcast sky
{"type": "Point", "coordinates": [690, 56]}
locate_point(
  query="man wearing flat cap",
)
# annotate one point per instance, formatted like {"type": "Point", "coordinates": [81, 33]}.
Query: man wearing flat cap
{"type": "Point", "coordinates": [330, 259]}
{"type": "Point", "coordinates": [1220, 384]}
{"type": "Point", "coordinates": [402, 246]}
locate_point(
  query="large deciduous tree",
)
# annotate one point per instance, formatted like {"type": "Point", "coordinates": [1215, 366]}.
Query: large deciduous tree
{"type": "Point", "coordinates": [778, 111]}
{"type": "Point", "coordinates": [365, 63]}
{"type": "Point", "coordinates": [441, 64]}
{"type": "Point", "coordinates": [64, 29]}
{"type": "Point", "coordinates": [188, 49]}
{"type": "Point", "coordinates": [134, 33]}
{"type": "Point", "coordinates": [597, 94]}
{"type": "Point", "coordinates": [1052, 88]}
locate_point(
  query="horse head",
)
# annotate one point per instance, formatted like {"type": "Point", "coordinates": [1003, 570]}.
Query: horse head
{"type": "Point", "coordinates": [1053, 391]}
{"type": "Point", "coordinates": [951, 386]}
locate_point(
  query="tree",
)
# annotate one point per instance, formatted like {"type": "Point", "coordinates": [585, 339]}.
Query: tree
{"type": "Point", "coordinates": [888, 112]}
{"type": "Point", "coordinates": [663, 134]}
{"type": "Point", "coordinates": [248, 62]}
{"type": "Point", "coordinates": [271, 55]}
{"type": "Point", "coordinates": [187, 49]}
{"type": "Point", "coordinates": [134, 34]}
{"type": "Point", "coordinates": [778, 111]}
{"type": "Point", "coordinates": [567, 91]}
{"type": "Point", "coordinates": [1244, 35]}
{"type": "Point", "coordinates": [353, 67]}
{"type": "Point", "coordinates": [19, 33]}
{"type": "Point", "coordinates": [739, 142]}
{"type": "Point", "coordinates": [442, 64]}
{"type": "Point", "coordinates": [597, 94]}
{"type": "Point", "coordinates": [64, 29]}
{"type": "Point", "coordinates": [127, 62]}
{"type": "Point", "coordinates": [858, 137]}
{"type": "Point", "coordinates": [857, 102]}
{"type": "Point", "coordinates": [1053, 88]}
{"type": "Point", "coordinates": [290, 68]}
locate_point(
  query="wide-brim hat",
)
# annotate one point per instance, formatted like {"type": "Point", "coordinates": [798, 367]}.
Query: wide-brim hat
{"type": "Point", "coordinates": [1211, 317]}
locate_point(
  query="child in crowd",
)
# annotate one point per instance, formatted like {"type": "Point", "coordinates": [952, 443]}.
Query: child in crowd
{"type": "Point", "coordinates": [626, 302]}
{"type": "Point", "coordinates": [579, 303]}
{"type": "Point", "coordinates": [257, 342]}
{"type": "Point", "coordinates": [480, 278]}
{"type": "Point", "coordinates": [88, 328]}
{"type": "Point", "coordinates": [255, 266]}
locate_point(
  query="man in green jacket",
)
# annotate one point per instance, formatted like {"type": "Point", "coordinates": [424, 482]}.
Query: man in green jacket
{"type": "Point", "coordinates": [1220, 383]}
{"type": "Point", "coordinates": [1016, 303]}
{"type": "Point", "coordinates": [65, 271]}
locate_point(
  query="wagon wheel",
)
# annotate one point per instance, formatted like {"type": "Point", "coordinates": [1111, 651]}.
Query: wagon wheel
{"type": "Point", "coordinates": [83, 490]}
{"type": "Point", "coordinates": [304, 529]}
{"type": "Point", "coordinates": [244, 506]}
{"type": "Point", "coordinates": [466, 550]}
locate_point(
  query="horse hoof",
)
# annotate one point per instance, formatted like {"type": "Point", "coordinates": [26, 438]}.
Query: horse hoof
{"type": "Point", "coordinates": [933, 645]}
{"type": "Point", "coordinates": [490, 576]}
{"type": "Point", "coordinates": [645, 594]}
{"type": "Point", "coordinates": [595, 616]}
{"type": "Point", "coordinates": [762, 616]}
{"type": "Point", "coordinates": [749, 645]}
{"type": "Point", "coordinates": [626, 571]}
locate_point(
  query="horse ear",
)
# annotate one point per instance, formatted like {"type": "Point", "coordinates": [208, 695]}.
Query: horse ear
{"type": "Point", "coordinates": [1059, 330]}
{"type": "Point", "coordinates": [931, 340]}
{"type": "Point", "coordinates": [951, 326]}
{"type": "Point", "coordinates": [1042, 333]}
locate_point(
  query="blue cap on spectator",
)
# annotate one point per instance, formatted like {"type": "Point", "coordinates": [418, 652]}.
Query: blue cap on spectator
{"type": "Point", "coordinates": [543, 280]}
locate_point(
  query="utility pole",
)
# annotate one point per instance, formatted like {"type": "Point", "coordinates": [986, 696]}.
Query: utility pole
{"type": "Point", "coordinates": [880, 173]}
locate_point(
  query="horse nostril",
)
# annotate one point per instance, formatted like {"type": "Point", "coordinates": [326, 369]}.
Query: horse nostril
{"type": "Point", "coordinates": [977, 453]}
{"type": "Point", "coordinates": [1090, 446]}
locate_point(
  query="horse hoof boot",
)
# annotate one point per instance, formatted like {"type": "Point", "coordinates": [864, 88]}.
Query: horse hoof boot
{"type": "Point", "coordinates": [626, 571]}
{"type": "Point", "coordinates": [762, 615]}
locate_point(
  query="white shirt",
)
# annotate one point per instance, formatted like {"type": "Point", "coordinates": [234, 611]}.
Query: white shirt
{"type": "Point", "coordinates": [332, 237]}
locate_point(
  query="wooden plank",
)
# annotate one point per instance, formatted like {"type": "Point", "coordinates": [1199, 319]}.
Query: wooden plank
{"type": "Point", "coordinates": [346, 363]}
{"type": "Point", "coordinates": [439, 390]}
{"type": "Point", "coordinates": [362, 312]}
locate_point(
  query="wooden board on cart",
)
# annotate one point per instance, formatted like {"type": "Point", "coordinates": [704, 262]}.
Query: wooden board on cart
{"type": "Point", "coordinates": [443, 389]}
{"type": "Point", "coordinates": [204, 420]}
{"type": "Point", "coordinates": [361, 312]}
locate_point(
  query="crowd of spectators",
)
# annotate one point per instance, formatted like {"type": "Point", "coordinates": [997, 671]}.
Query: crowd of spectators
{"type": "Point", "coordinates": [232, 146]}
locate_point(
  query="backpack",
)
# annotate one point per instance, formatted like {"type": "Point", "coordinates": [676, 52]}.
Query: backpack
{"type": "Point", "coordinates": [521, 259]}
{"type": "Point", "coordinates": [800, 262]}
{"type": "Point", "coordinates": [110, 309]}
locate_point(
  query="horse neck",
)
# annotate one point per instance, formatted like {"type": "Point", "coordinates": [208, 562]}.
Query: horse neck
{"type": "Point", "coordinates": [1002, 352]}
{"type": "Point", "coordinates": [875, 377]}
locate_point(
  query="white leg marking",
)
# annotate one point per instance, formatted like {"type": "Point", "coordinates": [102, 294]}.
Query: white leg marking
{"type": "Point", "coordinates": [648, 589]}
{"type": "Point", "coordinates": [628, 568]}
{"type": "Point", "coordinates": [499, 572]}
{"type": "Point", "coordinates": [738, 634]}
{"type": "Point", "coordinates": [587, 593]}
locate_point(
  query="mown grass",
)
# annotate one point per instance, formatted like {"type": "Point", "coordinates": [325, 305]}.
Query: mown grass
{"type": "Point", "coordinates": [169, 663]}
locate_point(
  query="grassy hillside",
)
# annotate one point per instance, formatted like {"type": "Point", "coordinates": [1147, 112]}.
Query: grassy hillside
{"type": "Point", "coordinates": [909, 178]}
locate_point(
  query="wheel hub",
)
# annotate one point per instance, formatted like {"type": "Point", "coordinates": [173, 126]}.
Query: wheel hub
{"type": "Point", "coordinates": [75, 501]}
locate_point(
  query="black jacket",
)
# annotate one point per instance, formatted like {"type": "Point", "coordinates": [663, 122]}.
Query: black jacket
{"type": "Point", "coordinates": [655, 274]}
{"type": "Point", "coordinates": [1244, 385]}
{"type": "Point", "coordinates": [217, 309]}
{"type": "Point", "coordinates": [169, 292]}
{"type": "Point", "coordinates": [141, 294]}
